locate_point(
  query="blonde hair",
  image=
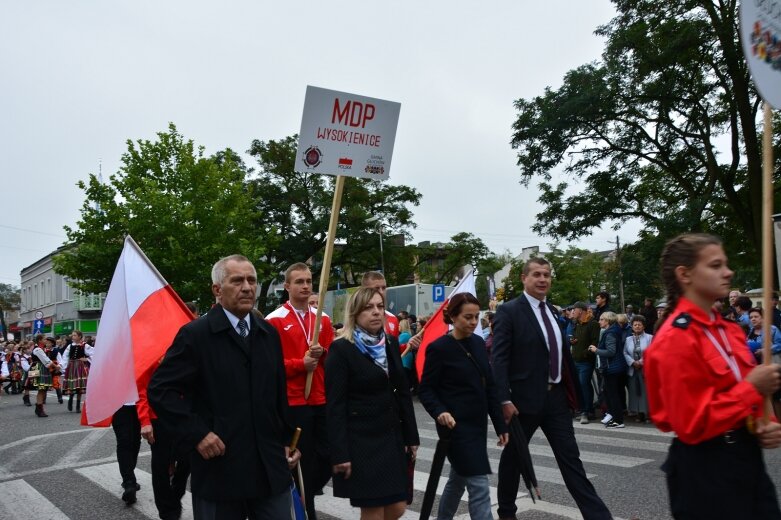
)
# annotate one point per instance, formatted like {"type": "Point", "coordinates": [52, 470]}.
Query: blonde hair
{"type": "Point", "coordinates": [355, 305]}
{"type": "Point", "coordinates": [609, 316]}
{"type": "Point", "coordinates": [404, 326]}
{"type": "Point", "coordinates": [622, 319]}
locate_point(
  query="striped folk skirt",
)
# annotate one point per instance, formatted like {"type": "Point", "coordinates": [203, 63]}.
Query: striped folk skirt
{"type": "Point", "coordinates": [76, 377]}
{"type": "Point", "coordinates": [43, 381]}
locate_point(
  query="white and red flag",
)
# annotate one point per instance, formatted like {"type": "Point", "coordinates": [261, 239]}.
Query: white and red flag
{"type": "Point", "coordinates": [436, 326]}
{"type": "Point", "coordinates": [141, 316]}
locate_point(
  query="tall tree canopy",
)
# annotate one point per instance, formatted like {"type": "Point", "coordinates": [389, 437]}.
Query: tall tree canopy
{"type": "Point", "coordinates": [183, 208]}
{"type": "Point", "coordinates": [663, 128]}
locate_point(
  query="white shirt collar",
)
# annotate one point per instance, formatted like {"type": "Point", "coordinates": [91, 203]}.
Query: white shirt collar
{"type": "Point", "coordinates": [235, 320]}
{"type": "Point", "coordinates": [534, 302]}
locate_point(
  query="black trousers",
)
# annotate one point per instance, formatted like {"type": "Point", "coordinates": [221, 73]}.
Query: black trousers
{"type": "Point", "coordinates": [555, 420]}
{"type": "Point", "coordinates": [720, 478]}
{"type": "Point", "coordinates": [615, 385]}
{"type": "Point", "coordinates": [313, 443]}
{"type": "Point", "coordinates": [168, 487]}
{"type": "Point", "coordinates": [127, 430]}
{"type": "Point", "coordinates": [271, 508]}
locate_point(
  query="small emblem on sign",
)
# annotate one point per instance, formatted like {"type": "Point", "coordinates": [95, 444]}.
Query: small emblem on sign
{"type": "Point", "coordinates": [313, 157]}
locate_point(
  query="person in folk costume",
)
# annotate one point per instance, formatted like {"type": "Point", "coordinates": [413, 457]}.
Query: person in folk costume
{"type": "Point", "coordinates": [704, 385]}
{"type": "Point", "coordinates": [295, 323]}
{"type": "Point", "coordinates": [54, 354]}
{"type": "Point", "coordinates": [25, 360]}
{"type": "Point", "coordinates": [15, 372]}
{"type": "Point", "coordinates": [76, 356]}
{"type": "Point", "coordinates": [39, 375]}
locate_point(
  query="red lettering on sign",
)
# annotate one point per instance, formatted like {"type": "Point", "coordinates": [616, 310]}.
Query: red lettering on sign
{"type": "Point", "coordinates": [353, 113]}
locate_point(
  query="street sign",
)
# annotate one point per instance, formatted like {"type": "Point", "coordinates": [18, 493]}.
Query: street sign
{"type": "Point", "coordinates": [438, 293]}
{"type": "Point", "coordinates": [346, 134]}
{"type": "Point", "coordinates": [38, 326]}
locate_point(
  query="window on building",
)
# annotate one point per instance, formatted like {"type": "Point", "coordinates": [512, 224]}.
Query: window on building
{"type": "Point", "coordinates": [66, 290]}
{"type": "Point", "coordinates": [49, 295]}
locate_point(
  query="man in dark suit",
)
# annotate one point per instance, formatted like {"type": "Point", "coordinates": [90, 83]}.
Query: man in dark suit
{"type": "Point", "coordinates": [536, 380]}
{"type": "Point", "coordinates": [220, 391]}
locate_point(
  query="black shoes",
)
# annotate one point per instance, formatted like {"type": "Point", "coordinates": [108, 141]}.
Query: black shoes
{"type": "Point", "coordinates": [70, 403]}
{"type": "Point", "coordinates": [26, 400]}
{"type": "Point", "coordinates": [129, 495]}
{"type": "Point", "coordinates": [39, 411]}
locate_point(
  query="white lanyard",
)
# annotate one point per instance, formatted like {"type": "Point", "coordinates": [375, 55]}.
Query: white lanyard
{"type": "Point", "coordinates": [726, 353]}
{"type": "Point", "coordinates": [307, 330]}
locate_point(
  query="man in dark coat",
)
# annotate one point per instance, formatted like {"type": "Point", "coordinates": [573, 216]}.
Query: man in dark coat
{"type": "Point", "coordinates": [536, 380]}
{"type": "Point", "coordinates": [221, 391]}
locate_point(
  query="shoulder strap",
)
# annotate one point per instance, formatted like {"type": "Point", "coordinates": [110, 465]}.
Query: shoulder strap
{"type": "Point", "coordinates": [471, 358]}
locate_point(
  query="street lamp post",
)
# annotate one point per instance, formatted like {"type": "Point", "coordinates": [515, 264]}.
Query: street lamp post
{"type": "Point", "coordinates": [376, 220]}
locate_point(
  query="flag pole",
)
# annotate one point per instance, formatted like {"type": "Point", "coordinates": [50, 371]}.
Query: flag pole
{"type": "Point", "coordinates": [767, 245]}
{"type": "Point", "coordinates": [324, 272]}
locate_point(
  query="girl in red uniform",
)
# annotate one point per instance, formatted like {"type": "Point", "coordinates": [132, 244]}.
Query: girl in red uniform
{"type": "Point", "coordinates": [704, 385]}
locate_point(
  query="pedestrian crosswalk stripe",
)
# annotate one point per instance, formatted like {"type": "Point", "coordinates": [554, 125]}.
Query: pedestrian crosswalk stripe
{"type": "Point", "coordinates": [20, 501]}
{"type": "Point", "coordinates": [82, 447]}
{"type": "Point", "coordinates": [543, 473]}
{"type": "Point", "coordinates": [542, 450]}
{"type": "Point", "coordinates": [107, 476]}
{"type": "Point", "coordinates": [617, 442]}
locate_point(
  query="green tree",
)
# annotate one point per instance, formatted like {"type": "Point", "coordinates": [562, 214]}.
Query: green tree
{"type": "Point", "coordinates": [512, 285]}
{"type": "Point", "coordinates": [183, 208]}
{"type": "Point", "coordinates": [295, 207]}
{"type": "Point", "coordinates": [486, 268]}
{"type": "Point", "coordinates": [641, 133]}
{"type": "Point", "coordinates": [10, 298]}
{"type": "Point", "coordinates": [578, 275]}
{"type": "Point", "coordinates": [442, 263]}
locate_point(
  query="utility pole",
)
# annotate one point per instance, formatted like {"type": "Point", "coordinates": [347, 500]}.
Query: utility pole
{"type": "Point", "coordinates": [620, 274]}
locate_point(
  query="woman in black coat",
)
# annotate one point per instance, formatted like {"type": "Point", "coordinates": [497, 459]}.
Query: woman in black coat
{"type": "Point", "coordinates": [457, 389]}
{"type": "Point", "coordinates": [371, 421]}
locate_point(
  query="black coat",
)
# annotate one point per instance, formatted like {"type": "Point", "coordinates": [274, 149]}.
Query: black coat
{"type": "Point", "coordinates": [521, 358]}
{"type": "Point", "coordinates": [452, 383]}
{"type": "Point", "coordinates": [370, 421]}
{"type": "Point", "coordinates": [213, 380]}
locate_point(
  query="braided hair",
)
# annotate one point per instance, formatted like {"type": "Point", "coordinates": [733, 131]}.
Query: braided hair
{"type": "Point", "coordinates": [683, 250]}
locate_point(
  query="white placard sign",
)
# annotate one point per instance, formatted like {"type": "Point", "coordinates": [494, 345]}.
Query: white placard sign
{"type": "Point", "coordinates": [760, 32]}
{"type": "Point", "coordinates": [346, 134]}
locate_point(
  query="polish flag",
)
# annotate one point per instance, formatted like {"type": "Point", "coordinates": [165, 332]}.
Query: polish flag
{"type": "Point", "coordinates": [141, 316]}
{"type": "Point", "coordinates": [436, 326]}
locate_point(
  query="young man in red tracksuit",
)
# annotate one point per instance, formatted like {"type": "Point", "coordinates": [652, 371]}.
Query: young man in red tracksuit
{"type": "Point", "coordinates": [295, 322]}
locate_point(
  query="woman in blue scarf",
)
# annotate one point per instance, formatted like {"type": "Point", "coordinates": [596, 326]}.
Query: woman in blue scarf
{"type": "Point", "coordinates": [371, 421]}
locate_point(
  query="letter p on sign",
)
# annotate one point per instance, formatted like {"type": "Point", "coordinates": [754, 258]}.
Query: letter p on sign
{"type": "Point", "coordinates": [439, 293]}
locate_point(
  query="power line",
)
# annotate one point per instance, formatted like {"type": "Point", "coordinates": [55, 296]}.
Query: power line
{"type": "Point", "coordinates": [32, 231]}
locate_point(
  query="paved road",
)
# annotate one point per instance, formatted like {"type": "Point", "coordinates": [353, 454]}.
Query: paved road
{"type": "Point", "coordinates": [54, 469]}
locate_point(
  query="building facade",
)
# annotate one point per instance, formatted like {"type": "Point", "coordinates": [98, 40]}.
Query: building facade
{"type": "Point", "coordinates": [48, 296]}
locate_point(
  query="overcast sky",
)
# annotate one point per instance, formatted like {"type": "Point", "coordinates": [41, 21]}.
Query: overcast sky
{"type": "Point", "coordinates": [80, 78]}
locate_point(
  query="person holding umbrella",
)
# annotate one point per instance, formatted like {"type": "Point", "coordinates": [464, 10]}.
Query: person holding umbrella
{"type": "Point", "coordinates": [457, 389]}
{"type": "Point", "coordinates": [537, 382]}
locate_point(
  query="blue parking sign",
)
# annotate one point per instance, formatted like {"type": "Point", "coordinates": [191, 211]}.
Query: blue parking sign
{"type": "Point", "coordinates": [439, 293]}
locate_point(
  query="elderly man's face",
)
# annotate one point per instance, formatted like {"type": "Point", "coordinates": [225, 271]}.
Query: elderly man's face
{"type": "Point", "coordinates": [733, 297]}
{"type": "Point", "coordinates": [237, 290]}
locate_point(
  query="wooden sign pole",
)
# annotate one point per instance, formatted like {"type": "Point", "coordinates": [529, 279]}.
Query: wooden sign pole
{"type": "Point", "coordinates": [767, 246]}
{"type": "Point", "coordinates": [325, 271]}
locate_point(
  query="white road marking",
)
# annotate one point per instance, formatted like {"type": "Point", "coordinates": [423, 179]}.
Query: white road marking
{"type": "Point", "coordinates": [20, 501]}
{"type": "Point", "coordinates": [107, 476]}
